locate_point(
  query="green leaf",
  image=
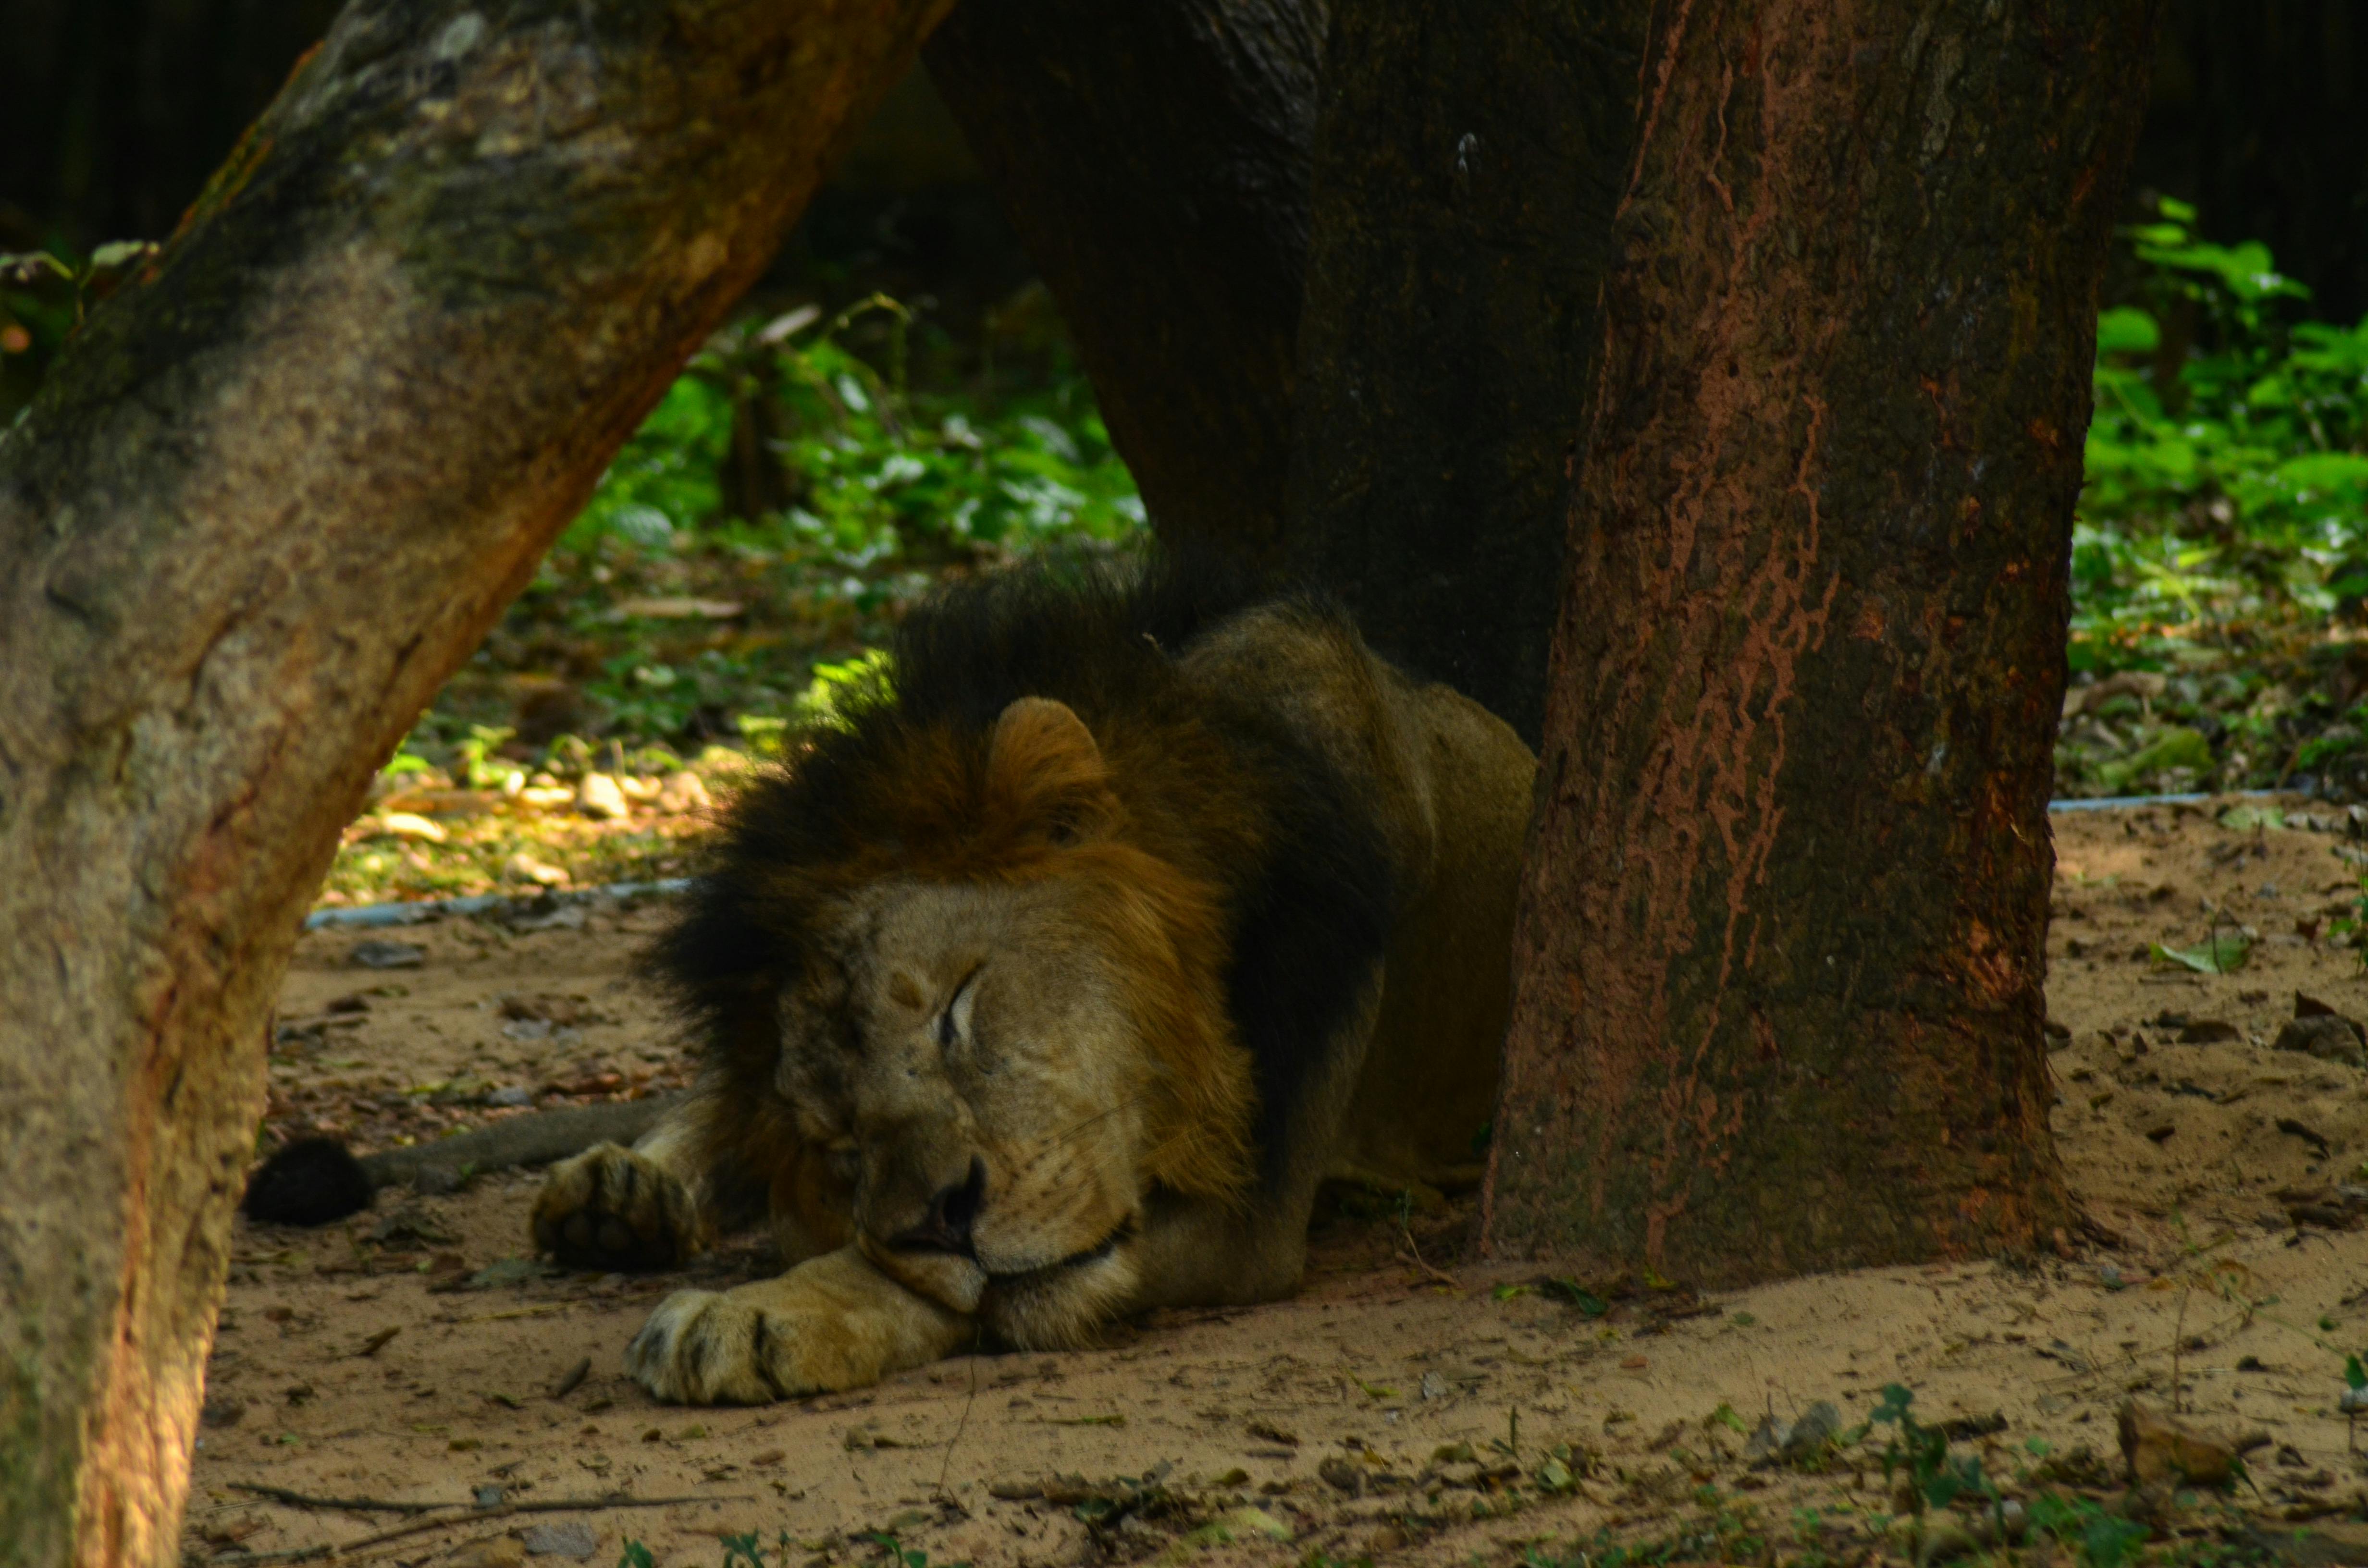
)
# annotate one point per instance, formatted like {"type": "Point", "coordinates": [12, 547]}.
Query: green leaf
{"type": "Point", "coordinates": [1564, 1288]}
{"type": "Point", "coordinates": [2223, 952]}
{"type": "Point", "coordinates": [2125, 329]}
{"type": "Point", "coordinates": [2354, 1375]}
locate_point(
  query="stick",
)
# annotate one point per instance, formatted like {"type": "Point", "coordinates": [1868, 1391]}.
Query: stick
{"type": "Point", "coordinates": [354, 1504]}
{"type": "Point", "coordinates": [472, 1515]}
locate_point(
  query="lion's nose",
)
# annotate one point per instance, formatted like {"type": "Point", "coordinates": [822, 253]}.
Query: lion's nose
{"type": "Point", "coordinates": [951, 1213]}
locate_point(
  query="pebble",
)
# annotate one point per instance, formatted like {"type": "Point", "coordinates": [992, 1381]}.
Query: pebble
{"type": "Point", "coordinates": [599, 796]}
{"type": "Point", "coordinates": [682, 793]}
{"type": "Point", "coordinates": [570, 1538]}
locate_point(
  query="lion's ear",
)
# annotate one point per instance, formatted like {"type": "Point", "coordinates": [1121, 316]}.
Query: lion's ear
{"type": "Point", "coordinates": [1044, 768]}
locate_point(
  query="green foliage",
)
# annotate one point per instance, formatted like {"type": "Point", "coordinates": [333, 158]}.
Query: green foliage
{"type": "Point", "coordinates": [864, 467]}
{"type": "Point", "coordinates": [2099, 1540]}
{"type": "Point", "coordinates": [44, 295]}
{"type": "Point", "coordinates": [2227, 461]}
{"type": "Point", "coordinates": [1923, 1453]}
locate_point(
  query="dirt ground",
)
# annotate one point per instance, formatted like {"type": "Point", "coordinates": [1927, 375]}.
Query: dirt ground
{"type": "Point", "coordinates": [1398, 1410]}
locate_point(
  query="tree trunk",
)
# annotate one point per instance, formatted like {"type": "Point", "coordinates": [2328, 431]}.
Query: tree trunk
{"type": "Point", "coordinates": [1153, 158]}
{"type": "Point", "coordinates": [270, 496]}
{"type": "Point", "coordinates": [1467, 159]}
{"type": "Point", "coordinates": [1779, 959]}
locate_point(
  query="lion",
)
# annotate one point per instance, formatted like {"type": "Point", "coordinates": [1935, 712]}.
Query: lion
{"type": "Point", "coordinates": [1045, 985]}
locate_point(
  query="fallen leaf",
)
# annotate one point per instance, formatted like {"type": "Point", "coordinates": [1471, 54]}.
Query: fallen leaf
{"type": "Point", "coordinates": [501, 1551]}
{"type": "Point", "coordinates": [2223, 952]}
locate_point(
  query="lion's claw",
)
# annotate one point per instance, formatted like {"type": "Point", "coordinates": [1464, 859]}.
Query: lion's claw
{"type": "Point", "coordinates": [702, 1347]}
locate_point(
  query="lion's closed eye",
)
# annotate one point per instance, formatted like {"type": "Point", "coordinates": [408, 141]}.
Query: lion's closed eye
{"type": "Point", "coordinates": [953, 1024]}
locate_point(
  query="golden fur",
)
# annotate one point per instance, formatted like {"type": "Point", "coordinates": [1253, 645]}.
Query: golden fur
{"type": "Point", "coordinates": [1049, 987]}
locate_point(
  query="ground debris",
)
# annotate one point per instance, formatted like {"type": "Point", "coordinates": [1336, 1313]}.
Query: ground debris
{"type": "Point", "coordinates": [2159, 1448]}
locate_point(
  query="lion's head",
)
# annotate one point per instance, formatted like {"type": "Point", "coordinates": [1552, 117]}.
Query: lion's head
{"type": "Point", "coordinates": [1001, 1064]}
{"type": "Point", "coordinates": [984, 974]}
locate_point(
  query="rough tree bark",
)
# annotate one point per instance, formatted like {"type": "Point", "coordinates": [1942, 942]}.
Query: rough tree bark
{"type": "Point", "coordinates": [271, 495]}
{"type": "Point", "coordinates": [1467, 158]}
{"type": "Point", "coordinates": [1153, 158]}
{"type": "Point", "coordinates": [1779, 959]}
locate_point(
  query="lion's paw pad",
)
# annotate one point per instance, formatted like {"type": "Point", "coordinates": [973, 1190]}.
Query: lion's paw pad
{"type": "Point", "coordinates": [611, 1210]}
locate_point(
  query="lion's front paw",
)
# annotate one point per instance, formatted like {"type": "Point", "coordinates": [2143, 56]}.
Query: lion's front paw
{"type": "Point", "coordinates": [610, 1208]}
{"type": "Point", "coordinates": [750, 1345]}
{"type": "Point", "coordinates": [834, 1322]}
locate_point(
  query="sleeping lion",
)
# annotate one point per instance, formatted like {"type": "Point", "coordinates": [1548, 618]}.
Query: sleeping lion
{"type": "Point", "coordinates": [1046, 986]}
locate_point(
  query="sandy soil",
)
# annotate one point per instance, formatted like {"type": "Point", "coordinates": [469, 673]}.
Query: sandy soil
{"type": "Point", "coordinates": [417, 1352]}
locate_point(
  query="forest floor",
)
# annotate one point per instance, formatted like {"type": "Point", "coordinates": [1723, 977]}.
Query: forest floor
{"type": "Point", "coordinates": [1406, 1411]}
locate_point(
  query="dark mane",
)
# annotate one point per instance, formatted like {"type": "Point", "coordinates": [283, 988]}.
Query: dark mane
{"type": "Point", "coordinates": [1311, 909]}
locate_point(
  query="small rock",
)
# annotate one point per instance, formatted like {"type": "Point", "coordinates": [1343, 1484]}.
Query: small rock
{"type": "Point", "coordinates": [525, 868]}
{"type": "Point", "coordinates": [510, 1095]}
{"type": "Point", "coordinates": [1015, 1491]}
{"type": "Point", "coordinates": [2210, 1031]}
{"type": "Point", "coordinates": [1767, 1441]}
{"type": "Point", "coordinates": [682, 793]}
{"type": "Point", "coordinates": [410, 826]}
{"type": "Point", "coordinates": [502, 1552]}
{"type": "Point", "coordinates": [489, 1496]}
{"type": "Point", "coordinates": [1250, 1521]}
{"type": "Point", "coordinates": [599, 796]}
{"type": "Point", "coordinates": [2158, 1448]}
{"type": "Point", "coordinates": [222, 1411]}
{"type": "Point", "coordinates": [1343, 1475]}
{"type": "Point", "coordinates": [1818, 1425]}
{"type": "Point", "coordinates": [380, 954]}
{"type": "Point", "coordinates": [2311, 1008]}
{"type": "Point", "coordinates": [2354, 1401]}
{"type": "Point", "coordinates": [2327, 1036]}
{"type": "Point", "coordinates": [570, 1538]}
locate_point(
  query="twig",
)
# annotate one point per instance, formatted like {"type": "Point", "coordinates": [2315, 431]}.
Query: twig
{"type": "Point", "coordinates": [471, 1517]}
{"type": "Point", "coordinates": [358, 1504]}
{"type": "Point", "coordinates": [960, 1427]}
{"type": "Point", "coordinates": [1413, 1254]}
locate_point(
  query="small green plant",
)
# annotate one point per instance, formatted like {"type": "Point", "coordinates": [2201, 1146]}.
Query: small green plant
{"type": "Point", "coordinates": [2079, 1526]}
{"type": "Point", "coordinates": [847, 681]}
{"type": "Point", "coordinates": [1936, 1479]}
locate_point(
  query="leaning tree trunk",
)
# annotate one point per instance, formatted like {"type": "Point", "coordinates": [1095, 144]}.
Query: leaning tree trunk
{"type": "Point", "coordinates": [1467, 159]}
{"type": "Point", "coordinates": [1153, 157]}
{"type": "Point", "coordinates": [267, 500]}
{"type": "Point", "coordinates": [1778, 957]}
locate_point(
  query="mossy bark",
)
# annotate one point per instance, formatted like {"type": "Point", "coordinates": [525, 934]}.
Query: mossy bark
{"type": "Point", "coordinates": [1779, 963]}
{"type": "Point", "coordinates": [1154, 158]}
{"type": "Point", "coordinates": [271, 495]}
